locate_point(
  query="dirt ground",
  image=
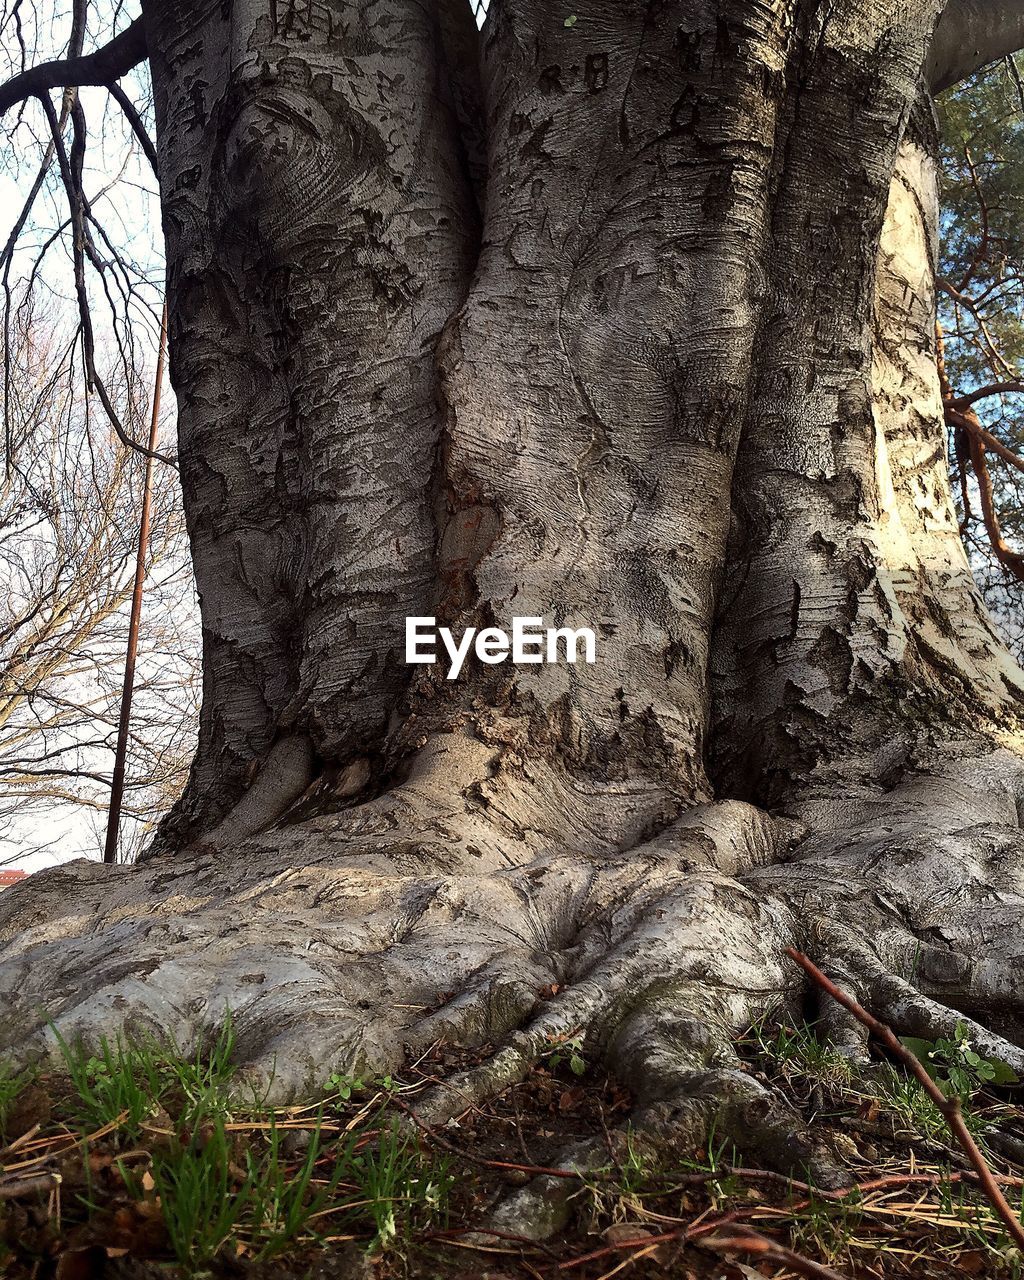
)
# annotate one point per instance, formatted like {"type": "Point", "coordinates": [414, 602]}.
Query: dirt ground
{"type": "Point", "coordinates": [137, 1164]}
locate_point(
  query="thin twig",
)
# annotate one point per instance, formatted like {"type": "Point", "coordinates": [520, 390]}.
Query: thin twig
{"type": "Point", "coordinates": [949, 1107]}
{"type": "Point", "coordinates": [131, 114]}
{"type": "Point", "coordinates": [640, 1242]}
{"type": "Point", "coordinates": [523, 1241]}
{"type": "Point", "coordinates": [746, 1240]}
{"type": "Point", "coordinates": [26, 1186]}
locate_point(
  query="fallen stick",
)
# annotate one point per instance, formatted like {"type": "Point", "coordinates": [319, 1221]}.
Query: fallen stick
{"type": "Point", "coordinates": [745, 1240]}
{"type": "Point", "coordinates": [949, 1108]}
{"type": "Point", "coordinates": [26, 1186]}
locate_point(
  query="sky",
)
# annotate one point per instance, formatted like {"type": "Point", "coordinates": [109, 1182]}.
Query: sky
{"type": "Point", "coordinates": [121, 187]}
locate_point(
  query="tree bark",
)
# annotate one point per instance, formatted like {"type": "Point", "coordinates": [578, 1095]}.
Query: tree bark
{"type": "Point", "coordinates": [851, 628]}
{"type": "Point", "coordinates": [678, 384]}
{"type": "Point", "coordinates": [971, 34]}
{"type": "Point", "coordinates": [320, 228]}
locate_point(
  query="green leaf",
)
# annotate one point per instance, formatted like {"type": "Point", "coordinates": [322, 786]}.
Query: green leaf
{"type": "Point", "coordinates": [1002, 1072]}
{"type": "Point", "coordinates": [577, 1065]}
{"type": "Point", "coordinates": [571, 20]}
{"type": "Point", "coordinates": [921, 1049]}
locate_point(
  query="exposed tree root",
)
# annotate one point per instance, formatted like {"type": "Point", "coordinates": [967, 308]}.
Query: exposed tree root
{"type": "Point", "coordinates": [280, 781]}
{"type": "Point", "coordinates": [657, 957]}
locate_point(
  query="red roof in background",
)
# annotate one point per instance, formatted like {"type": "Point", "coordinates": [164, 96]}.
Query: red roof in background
{"type": "Point", "coordinates": [12, 877]}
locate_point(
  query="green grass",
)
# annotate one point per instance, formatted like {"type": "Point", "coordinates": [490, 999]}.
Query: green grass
{"type": "Point", "coordinates": [217, 1181]}
{"type": "Point", "coordinates": [399, 1184]}
{"type": "Point", "coordinates": [237, 1188]}
{"type": "Point", "coordinates": [902, 1096]}
{"type": "Point", "coordinates": [12, 1083]}
{"type": "Point", "coordinates": [212, 1194]}
{"type": "Point", "coordinates": [826, 1229]}
{"type": "Point", "coordinates": [797, 1051]}
{"type": "Point", "coordinates": [129, 1081]}
{"type": "Point", "coordinates": [199, 1200]}
{"type": "Point", "coordinates": [260, 1203]}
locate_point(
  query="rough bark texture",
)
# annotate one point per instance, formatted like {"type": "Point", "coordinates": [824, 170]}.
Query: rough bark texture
{"type": "Point", "coordinates": [679, 385]}
{"type": "Point", "coordinates": [320, 228]}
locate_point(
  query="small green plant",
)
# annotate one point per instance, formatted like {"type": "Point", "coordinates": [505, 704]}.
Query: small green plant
{"type": "Point", "coordinates": [217, 1200]}
{"type": "Point", "coordinates": [566, 1051]}
{"type": "Point", "coordinates": [956, 1066]}
{"type": "Point", "coordinates": [398, 1184]}
{"type": "Point", "coordinates": [127, 1081]}
{"type": "Point", "coordinates": [342, 1086]}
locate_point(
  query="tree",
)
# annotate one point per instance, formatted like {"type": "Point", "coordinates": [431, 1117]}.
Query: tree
{"type": "Point", "coordinates": [981, 291]}
{"type": "Point", "coordinates": [69, 518]}
{"type": "Point", "coordinates": [636, 330]}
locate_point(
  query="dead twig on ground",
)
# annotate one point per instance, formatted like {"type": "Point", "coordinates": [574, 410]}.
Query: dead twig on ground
{"type": "Point", "coordinates": [948, 1107]}
{"type": "Point", "coordinates": [744, 1240]}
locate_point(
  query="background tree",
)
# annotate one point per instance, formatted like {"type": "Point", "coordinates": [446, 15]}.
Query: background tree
{"type": "Point", "coordinates": [981, 308]}
{"type": "Point", "coordinates": [69, 514]}
{"type": "Point", "coordinates": [665, 364]}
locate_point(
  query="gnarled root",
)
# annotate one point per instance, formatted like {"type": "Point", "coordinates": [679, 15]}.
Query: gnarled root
{"type": "Point", "coordinates": [656, 958]}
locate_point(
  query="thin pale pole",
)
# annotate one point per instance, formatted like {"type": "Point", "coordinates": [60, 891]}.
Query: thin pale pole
{"type": "Point", "coordinates": [120, 754]}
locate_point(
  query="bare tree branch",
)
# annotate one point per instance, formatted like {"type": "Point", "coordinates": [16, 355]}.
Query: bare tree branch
{"type": "Point", "coordinates": [67, 515]}
{"type": "Point", "coordinates": [135, 120]}
{"type": "Point", "coordinates": [75, 43]}
{"type": "Point", "coordinates": [71, 173]}
{"type": "Point", "coordinates": [982, 393]}
{"type": "Point", "coordinates": [102, 67]}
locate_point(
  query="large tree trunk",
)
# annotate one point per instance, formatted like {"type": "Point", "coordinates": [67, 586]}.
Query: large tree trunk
{"type": "Point", "coordinates": [667, 370]}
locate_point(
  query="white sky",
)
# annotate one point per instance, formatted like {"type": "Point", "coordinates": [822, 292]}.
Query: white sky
{"type": "Point", "coordinates": [121, 185]}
